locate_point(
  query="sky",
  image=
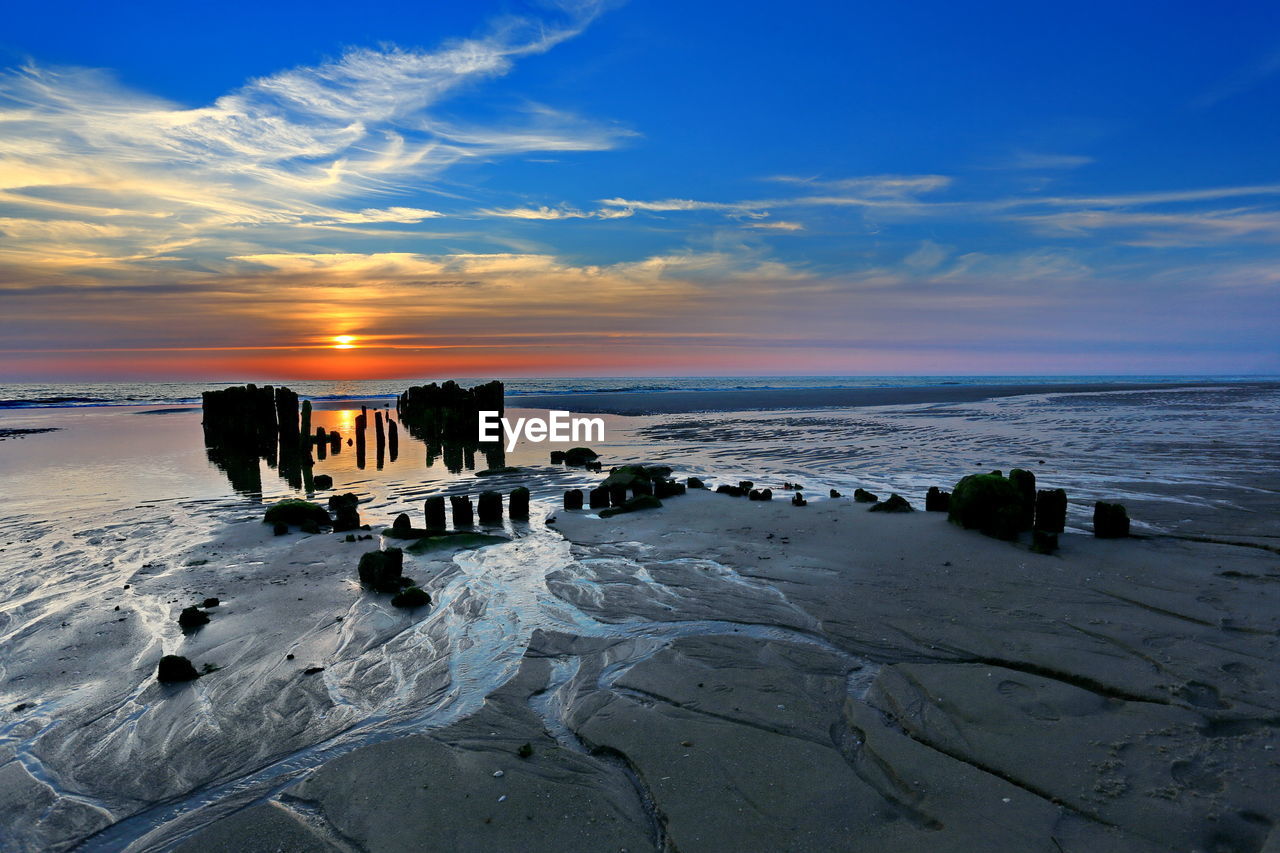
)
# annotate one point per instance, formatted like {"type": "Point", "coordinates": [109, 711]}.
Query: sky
{"type": "Point", "coordinates": [333, 190]}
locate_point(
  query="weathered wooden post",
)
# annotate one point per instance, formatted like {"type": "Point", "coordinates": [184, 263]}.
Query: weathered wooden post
{"type": "Point", "coordinates": [489, 507]}
{"type": "Point", "coordinates": [434, 510]}
{"type": "Point", "coordinates": [518, 504]}
{"type": "Point", "coordinates": [461, 505]}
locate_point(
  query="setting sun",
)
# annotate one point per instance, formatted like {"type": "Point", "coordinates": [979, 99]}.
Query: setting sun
{"type": "Point", "coordinates": [344, 342]}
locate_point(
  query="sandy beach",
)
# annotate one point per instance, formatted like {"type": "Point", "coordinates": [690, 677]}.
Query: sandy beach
{"type": "Point", "coordinates": [716, 674]}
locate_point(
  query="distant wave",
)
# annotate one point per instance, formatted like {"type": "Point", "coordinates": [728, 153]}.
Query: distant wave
{"type": "Point", "coordinates": [35, 402]}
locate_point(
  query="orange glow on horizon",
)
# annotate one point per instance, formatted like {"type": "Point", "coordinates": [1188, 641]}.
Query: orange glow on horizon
{"type": "Point", "coordinates": [344, 342]}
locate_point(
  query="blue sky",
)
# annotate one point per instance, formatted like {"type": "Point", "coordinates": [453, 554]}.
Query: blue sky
{"type": "Point", "coordinates": [758, 187]}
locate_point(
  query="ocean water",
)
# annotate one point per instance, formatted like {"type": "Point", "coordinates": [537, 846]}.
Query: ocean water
{"type": "Point", "coordinates": [31, 395]}
{"type": "Point", "coordinates": [124, 494]}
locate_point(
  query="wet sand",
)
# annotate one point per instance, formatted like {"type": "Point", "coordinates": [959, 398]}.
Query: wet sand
{"type": "Point", "coordinates": [857, 681]}
{"type": "Point", "coordinates": [717, 674]}
{"type": "Point", "coordinates": [677, 402]}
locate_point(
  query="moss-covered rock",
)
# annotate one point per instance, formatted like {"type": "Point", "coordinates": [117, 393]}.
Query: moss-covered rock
{"type": "Point", "coordinates": [894, 503]}
{"type": "Point", "coordinates": [696, 483]}
{"type": "Point", "coordinates": [580, 456]}
{"type": "Point", "coordinates": [989, 503]}
{"type": "Point", "coordinates": [322, 481]}
{"type": "Point", "coordinates": [862, 496]}
{"type": "Point", "coordinates": [295, 511]}
{"type": "Point", "coordinates": [346, 511]}
{"type": "Point", "coordinates": [732, 491]}
{"type": "Point", "coordinates": [411, 598]}
{"type": "Point", "coordinates": [174, 668]}
{"type": "Point", "coordinates": [634, 505]}
{"type": "Point", "coordinates": [381, 570]}
{"type": "Point", "coordinates": [1110, 521]}
{"type": "Point", "coordinates": [833, 494]}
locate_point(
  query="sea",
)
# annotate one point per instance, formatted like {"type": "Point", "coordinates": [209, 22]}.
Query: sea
{"type": "Point", "coordinates": [17, 395]}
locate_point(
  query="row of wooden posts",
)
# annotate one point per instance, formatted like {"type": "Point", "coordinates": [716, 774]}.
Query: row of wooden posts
{"type": "Point", "coordinates": [488, 509]}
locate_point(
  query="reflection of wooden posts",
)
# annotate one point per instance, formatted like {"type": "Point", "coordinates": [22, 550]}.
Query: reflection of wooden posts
{"type": "Point", "coordinates": [393, 439]}
{"type": "Point", "coordinates": [461, 505]}
{"type": "Point", "coordinates": [434, 510]}
{"type": "Point", "coordinates": [380, 438]}
{"type": "Point", "coordinates": [305, 432]}
{"type": "Point", "coordinates": [360, 422]}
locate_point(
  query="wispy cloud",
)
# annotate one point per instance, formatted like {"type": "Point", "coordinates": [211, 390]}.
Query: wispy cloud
{"type": "Point", "coordinates": [553, 213]}
{"type": "Point", "coordinates": [299, 148]}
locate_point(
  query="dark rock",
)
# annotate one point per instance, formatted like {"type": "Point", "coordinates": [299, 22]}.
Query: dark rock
{"type": "Point", "coordinates": [434, 509]}
{"type": "Point", "coordinates": [192, 617]}
{"type": "Point", "coordinates": [599, 497]}
{"type": "Point", "coordinates": [350, 537]}
{"type": "Point", "coordinates": [402, 522]}
{"type": "Point", "coordinates": [461, 507]}
{"type": "Point", "coordinates": [289, 656]}
{"type": "Point", "coordinates": [696, 483]}
{"type": "Point", "coordinates": [489, 507]}
{"type": "Point", "coordinates": [579, 456]}
{"type": "Point", "coordinates": [629, 476]}
{"type": "Point", "coordinates": [593, 465]}
{"type": "Point", "coordinates": [642, 487]}
{"type": "Point", "coordinates": [1110, 521]}
{"type": "Point", "coordinates": [573, 499]}
{"type": "Point", "coordinates": [295, 511]}
{"type": "Point", "coordinates": [175, 668]}
{"type": "Point", "coordinates": [1043, 542]}
{"type": "Point", "coordinates": [1051, 510]}
{"type": "Point", "coordinates": [346, 511]}
{"type": "Point", "coordinates": [313, 670]}
{"type": "Point", "coordinates": [633, 505]}
{"type": "Point", "coordinates": [798, 500]}
{"type": "Point", "coordinates": [525, 750]}
{"type": "Point", "coordinates": [1026, 483]}
{"type": "Point", "coordinates": [411, 598]}
{"type": "Point", "coordinates": [989, 503]}
{"type": "Point", "coordinates": [211, 602]}
{"type": "Point", "coordinates": [309, 526]}
{"type": "Point", "coordinates": [753, 495]}
{"type": "Point", "coordinates": [518, 503]}
{"type": "Point", "coordinates": [381, 570]}
{"type": "Point", "coordinates": [663, 488]}
{"type": "Point", "coordinates": [322, 481]}
{"type": "Point", "coordinates": [834, 493]}
{"type": "Point", "coordinates": [280, 529]}
{"type": "Point", "coordinates": [936, 500]}
{"type": "Point", "coordinates": [557, 457]}
{"type": "Point", "coordinates": [894, 503]}
{"type": "Point", "coordinates": [862, 496]}
{"type": "Point", "coordinates": [733, 491]}
{"type": "Point", "coordinates": [617, 495]}
{"type": "Point", "coordinates": [746, 486]}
